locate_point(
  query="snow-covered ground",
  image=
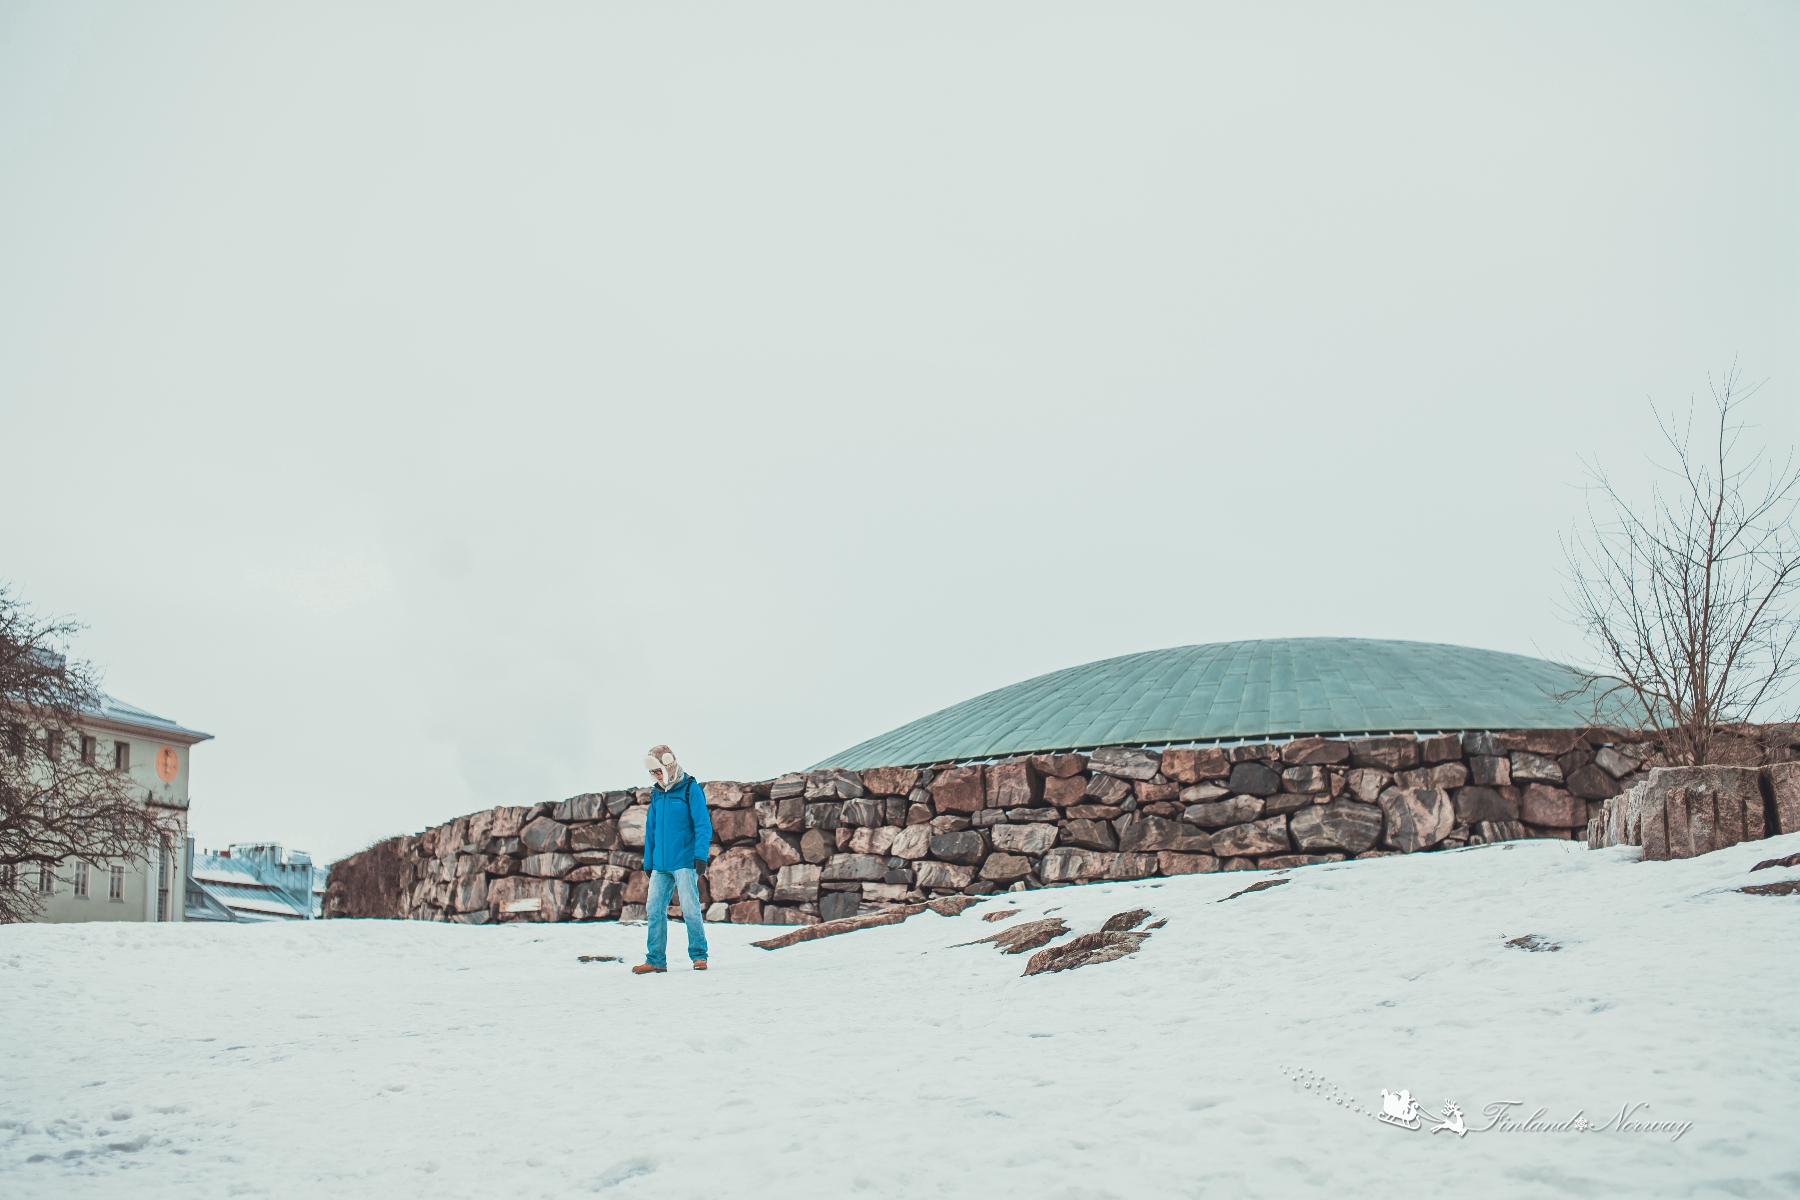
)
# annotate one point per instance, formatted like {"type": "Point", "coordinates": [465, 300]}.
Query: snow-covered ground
{"type": "Point", "coordinates": [378, 1059]}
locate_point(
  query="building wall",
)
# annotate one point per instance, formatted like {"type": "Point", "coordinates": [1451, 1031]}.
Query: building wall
{"type": "Point", "coordinates": [64, 905]}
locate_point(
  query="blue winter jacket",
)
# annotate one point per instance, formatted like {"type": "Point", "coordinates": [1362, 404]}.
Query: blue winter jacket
{"type": "Point", "coordinates": [678, 830]}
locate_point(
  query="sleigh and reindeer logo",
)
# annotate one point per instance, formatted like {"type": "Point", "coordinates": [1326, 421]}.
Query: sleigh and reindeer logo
{"type": "Point", "coordinates": [1399, 1108]}
{"type": "Point", "coordinates": [1402, 1110]}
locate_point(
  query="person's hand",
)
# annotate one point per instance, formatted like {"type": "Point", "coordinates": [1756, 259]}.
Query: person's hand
{"type": "Point", "coordinates": [700, 865]}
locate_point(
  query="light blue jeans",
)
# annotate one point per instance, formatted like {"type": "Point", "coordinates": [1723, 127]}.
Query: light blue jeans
{"type": "Point", "coordinates": [686, 883]}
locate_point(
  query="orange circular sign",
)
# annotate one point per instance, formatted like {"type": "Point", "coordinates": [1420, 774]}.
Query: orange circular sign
{"type": "Point", "coordinates": [167, 764]}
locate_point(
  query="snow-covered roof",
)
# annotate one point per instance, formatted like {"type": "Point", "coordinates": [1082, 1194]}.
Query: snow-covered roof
{"type": "Point", "coordinates": [255, 900]}
{"type": "Point", "coordinates": [238, 885]}
{"type": "Point", "coordinates": [118, 711]}
{"type": "Point", "coordinates": [214, 868]}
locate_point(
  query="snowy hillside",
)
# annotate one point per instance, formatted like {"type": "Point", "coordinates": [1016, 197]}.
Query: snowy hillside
{"type": "Point", "coordinates": [382, 1059]}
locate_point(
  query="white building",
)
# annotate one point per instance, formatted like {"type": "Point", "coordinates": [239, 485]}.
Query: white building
{"type": "Point", "coordinates": [155, 752]}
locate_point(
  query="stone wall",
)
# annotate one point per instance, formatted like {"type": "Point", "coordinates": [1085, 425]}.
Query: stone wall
{"type": "Point", "coordinates": [831, 843]}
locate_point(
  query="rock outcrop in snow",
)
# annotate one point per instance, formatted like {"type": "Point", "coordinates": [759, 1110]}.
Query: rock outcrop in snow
{"type": "Point", "coordinates": [1682, 812]}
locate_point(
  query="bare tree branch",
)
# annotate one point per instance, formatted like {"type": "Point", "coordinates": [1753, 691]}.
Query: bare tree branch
{"type": "Point", "coordinates": [59, 804]}
{"type": "Point", "coordinates": [1688, 599]}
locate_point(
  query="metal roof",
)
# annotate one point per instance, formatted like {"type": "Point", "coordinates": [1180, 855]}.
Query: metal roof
{"type": "Point", "coordinates": [238, 885]}
{"type": "Point", "coordinates": [252, 903]}
{"type": "Point", "coordinates": [1229, 691]}
{"type": "Point", "coordinates": [114, 709]}
{"type": "Point", "coordinates": [216, 868]}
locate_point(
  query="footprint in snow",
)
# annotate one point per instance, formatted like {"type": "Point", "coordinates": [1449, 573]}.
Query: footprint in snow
{"type": "Point", "coordinates": [618, 1173]}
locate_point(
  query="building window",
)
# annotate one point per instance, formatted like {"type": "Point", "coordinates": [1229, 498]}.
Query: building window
{"type": "Point", "coordinates": [46, 880]}
{"type": "Point", "coordinates": [81, 880]}
{"type": "Point", "coordinates": [53, 744]}
{"type": "Point", "coordinates": [9, 877]}
{"type": "Point", "coordinates": [115, 890]}
{"type": "Point", "coordinates": [88, 745]}
{"type": "Point", "coordinates": [121, 756]}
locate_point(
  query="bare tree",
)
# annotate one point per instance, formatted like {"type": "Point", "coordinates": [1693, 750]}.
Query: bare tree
{"type": "Point", "coordinates": [59, 804]}
{"type": "Point", "coordinates": [1688, 599]}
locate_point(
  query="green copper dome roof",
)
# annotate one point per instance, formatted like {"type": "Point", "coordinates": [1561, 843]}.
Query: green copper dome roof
{"type": "Point", "coordinates": [1276, 687]}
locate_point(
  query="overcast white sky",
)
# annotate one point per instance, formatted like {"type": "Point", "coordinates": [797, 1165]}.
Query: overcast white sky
{"type": "Point", "coordinates": [442, 403]}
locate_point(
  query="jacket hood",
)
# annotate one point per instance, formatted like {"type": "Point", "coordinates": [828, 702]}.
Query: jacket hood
{"type": "Point", "coordinates": [661, 757]}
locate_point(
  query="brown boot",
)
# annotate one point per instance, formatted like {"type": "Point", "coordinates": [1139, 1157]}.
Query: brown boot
{"type": "Point", "coordinates": [699, 964]}
{"type": "Point", "coordinates": [647, 969]}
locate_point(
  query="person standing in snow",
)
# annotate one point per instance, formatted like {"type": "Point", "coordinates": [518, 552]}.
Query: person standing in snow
{"type": "Point", "coordinates": [677, 835]}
